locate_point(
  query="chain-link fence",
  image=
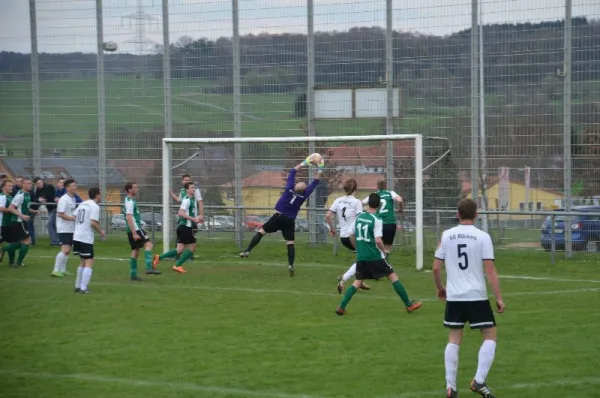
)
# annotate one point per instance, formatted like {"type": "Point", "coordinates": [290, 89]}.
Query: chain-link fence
{"type": "Point", "coordinates": [509, 89]}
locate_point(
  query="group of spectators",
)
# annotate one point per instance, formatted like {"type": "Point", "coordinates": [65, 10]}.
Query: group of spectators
{"type": "Point", "coordinates": [43, 194]}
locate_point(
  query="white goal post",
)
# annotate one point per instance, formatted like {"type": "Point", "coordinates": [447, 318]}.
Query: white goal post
{"type": "Point", "coordinates": [167, 171]}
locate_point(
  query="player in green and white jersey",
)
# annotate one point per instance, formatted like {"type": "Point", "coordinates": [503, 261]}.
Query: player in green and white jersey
{"type": "Point", "coordinates": [370, 257]}
{"type": "Point", "coordinates": [5, 216]}
{"type": "Point", "coordinates": [19, 234]}
{"type": "Point", "coordinates": [186, 229]}
{"type": "Point", "coordinates": [185, 178]}
{"type": "Point", "coordinates": [387, 213]}
{"type": "Point", "coordinates": [138, 238]}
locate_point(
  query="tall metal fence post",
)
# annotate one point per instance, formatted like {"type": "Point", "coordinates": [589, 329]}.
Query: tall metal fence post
{"type": "Point", "coordinates": [474, 105]}
{"type": "Point", "coordinates": [237, 124]}
{"type": "Point", "coordinates": [552, 240]}
{"type": "Point", "coordinates": [567, 126]}
{"type": "Point", "coordinates": [101, 100]}
{"type": "Point", "coordinates": [482, 149]}
{"type": "Point", "coordinates": [310, 111]}
{"type": "Point", "coordinates": [389, 85]}
{"type": "Point", "coordinates": [35, 91]}
{"type": "Point", "coordinates": [438, 226]}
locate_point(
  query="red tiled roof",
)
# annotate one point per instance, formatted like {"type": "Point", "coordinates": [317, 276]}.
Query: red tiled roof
{"type": "Point", "coordinates": [368, 156]}
{"type": "Point", "coordinates": [275, 179]}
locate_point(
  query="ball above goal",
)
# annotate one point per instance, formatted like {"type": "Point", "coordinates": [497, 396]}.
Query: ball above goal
{"type": "Point", "coordinates": [316, 158]}
{"type": "Point", "coordinates": [110, 46]}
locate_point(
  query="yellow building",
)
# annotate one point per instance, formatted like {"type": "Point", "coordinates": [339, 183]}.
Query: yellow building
{"type": "Point", "coordinates": [539, 199]}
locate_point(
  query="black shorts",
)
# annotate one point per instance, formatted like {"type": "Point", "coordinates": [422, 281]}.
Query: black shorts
{"type": "Point", "coordinates": [388, 234]}
{"type": "Point", "coordinates": [65, 238]}
{"type": "Point", "coordinates": [478, 314]}
{"type": "Point", "coordinates": [279, 222]}
{"type": "Point", "coordinates": [186, 235]}
{"type": "Point", "coordinates": [5, 234]}
{"type": "Point", "coordinates": [346, 242]}
{"type": "Point", "coordinates": [19, 232]}
{"type": "Point", "coordinates": [375, 269]}
{"type": "Point", "coordinates": [138, 244]}
{"type": "Point", "coordinates": [83, 250]}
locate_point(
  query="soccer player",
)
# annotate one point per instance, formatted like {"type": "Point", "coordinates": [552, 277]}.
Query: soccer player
{"type": "Point", "coordinates": [20, 210]}
{"type": "Point", "coordinates": [347, 209]}
{"type": "Point", "coordinates": [370, 258]}
{"type": "Point", "coordinates": [286, 211]}
{"type": "Point", "coordinates": [87, 219]}
{"type": "Point", "coordinates": [387, 214]}
{"type": "Point", "coordinates": [5, 215]}
{"type": "Point", "coordinates": [65, 225]}
{"type": "Point", "coordinates": [185, 178]}
{"type": "Point", "coordinates": [186, 230]}
{"type": "Point", "coordinates": [137, 236]}
{"type": "Point", "coordinates": [466, 252]}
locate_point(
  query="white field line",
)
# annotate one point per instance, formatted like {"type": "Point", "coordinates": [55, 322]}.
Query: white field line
{"type": "Point", "coordinates": [166, 385]}
{"type": "Point", "coordinates": [277, 291]}
{"type": "Point", "coordinates": [209, 105]}
{"type": "Point", "coordinates": [176, 386]}
{"type": "Point", "coordinates": [236, 261]}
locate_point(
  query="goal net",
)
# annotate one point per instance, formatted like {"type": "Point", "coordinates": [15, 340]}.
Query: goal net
{"type": "Point", "coordinates": [241, 180]}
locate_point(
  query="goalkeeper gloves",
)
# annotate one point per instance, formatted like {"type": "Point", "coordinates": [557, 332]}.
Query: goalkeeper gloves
{"type": "Point", "coordinates": [321, 167]}
{"type": "Point", "coordinates": [306, 161]}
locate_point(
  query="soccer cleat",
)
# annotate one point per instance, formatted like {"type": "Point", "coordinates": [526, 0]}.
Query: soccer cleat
{"type": "Point", "coordinates": [153, 272]}
{"type": "Point", "coordinates": [481, 389]}
{"type": "Point", "coordinates": [340, 311]}
{"type": "Point", "coordinates": [244, 254]}
{"type": "Point", "coordinates": [340, 285]}
{"type": "Point", "coordinates": [135, 278]}
{"type": "Point", "coordinates": [364, 286]}
{"type": "Point", "coordinates": [415, 305]}
{"type": "Point", "coordinates": [86, 291]}
{"type": "Point", "coordinates": [179, 269]}
{"type": "Point", "coordinates": [451, 393]}
{"type": "Point", "coordinates": [155, 261]}
{"type": "Point", "coordinates": [291, 270]}
{"type": "Point", "coordinates": [57, 274]}
{"type": "Point", "coordinates": [77, 290]}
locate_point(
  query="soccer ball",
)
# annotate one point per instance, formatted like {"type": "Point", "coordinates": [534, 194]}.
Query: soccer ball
{"type": "Point", "coordinates": [110, 46]}
{"type": "Point", "coordinates": [316, 158]}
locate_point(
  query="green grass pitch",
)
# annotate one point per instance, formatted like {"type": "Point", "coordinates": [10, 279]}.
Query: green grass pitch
{"type": "Point", "coordinates": [244, 328]}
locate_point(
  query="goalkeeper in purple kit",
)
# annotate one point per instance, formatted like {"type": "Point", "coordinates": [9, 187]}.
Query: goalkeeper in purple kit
{"type": "Point", "coordinates": [286, 211]}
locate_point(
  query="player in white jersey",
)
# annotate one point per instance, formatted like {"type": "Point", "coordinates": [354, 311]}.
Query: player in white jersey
{"type": "Point", "coordinates": [65, 226]}
{"type": "Point", "coordinates": [347, 208]}
{"type": "Point", "coordinates": [467, 251]}
{"type": "Point", "coordinates": [87, 219]}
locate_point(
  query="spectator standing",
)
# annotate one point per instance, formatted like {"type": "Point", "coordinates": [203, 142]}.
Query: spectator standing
{"type": "Point", "coordinates": [43, 193]}
{"type": "Point", "coordinates": [17, 186]}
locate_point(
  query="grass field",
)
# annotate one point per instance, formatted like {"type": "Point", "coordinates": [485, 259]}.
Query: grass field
{"type": "Point", "coordinates": [233, 328]}
{"type": "Point", "coordinates": [69, 113]}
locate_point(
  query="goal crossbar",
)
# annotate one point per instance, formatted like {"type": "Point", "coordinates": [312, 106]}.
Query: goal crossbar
{"type": "Point", "coordinates": [418, 158]}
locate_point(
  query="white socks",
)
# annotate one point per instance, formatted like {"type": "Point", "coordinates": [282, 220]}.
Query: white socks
{"type": "Point", "coordinates": [87, 275]}
{"type": "Point", "coordinates": [350, 273]}
{"type": "Point", "coordinates": [79, 277]}
{"type": "Point", "coordinates": [486, 358]}
{"type": "Point", "coordinates": [60, 264]}
{"type": "Point", "coordinates": [451, 360]}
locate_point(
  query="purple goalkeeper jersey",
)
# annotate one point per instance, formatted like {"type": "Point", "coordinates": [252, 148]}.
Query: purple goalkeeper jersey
{"type": "Point", "coordinates": [290, 202]}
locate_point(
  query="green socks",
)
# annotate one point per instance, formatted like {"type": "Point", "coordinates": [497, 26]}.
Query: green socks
{"type": "Point", "coordinates": [133, 266]}
{"type": "Point", "coordinates": [347, 296]}
{"type": "Point", "coordinates": [22, 253]}
{"type": "Point", "coordinates": [148, 259]}
{"type": "Point", "coordinates": [399, 288]}
{"type": "Point", "coordinates": [187, 254]}
{"type": "Point", "coordinates": [170, 254]}
{"type": "Point", "coordinates": [10, 249]}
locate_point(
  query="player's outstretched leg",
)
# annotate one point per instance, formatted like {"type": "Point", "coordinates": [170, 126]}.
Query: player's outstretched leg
{"type": "Point", "coordinates": [150, 260]}
{"type": "Point", "coordinates": [347, 275]}
{"type": "Point", "coordinates": [411, 306]}
{"type": "Point", "coordinates": [487, 353]}
{"type": "Point", "coordinates": [185, 256]}
{"type": "Point", "coordinates": [341, 310]}
{"type": "Point", "coordinates": [291, 253]}
{"type": "Point", "coordinates": [255, 241]}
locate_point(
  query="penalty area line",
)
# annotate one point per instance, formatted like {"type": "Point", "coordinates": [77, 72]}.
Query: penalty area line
{"type": "Point", "coordinates": [160, 384]}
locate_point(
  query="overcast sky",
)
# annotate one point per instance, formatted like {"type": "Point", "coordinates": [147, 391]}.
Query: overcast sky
{"type": "Point", "coordinates": [70, 25]}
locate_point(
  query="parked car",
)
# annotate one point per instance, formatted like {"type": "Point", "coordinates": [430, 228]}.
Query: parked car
{"type": "Point", "coordinates": [227, 222]}
{"type": "Point", "coordinates": [118, 222]}
{"type": "Point", "coordinates": [147, 218]}
{"type": "Point", "coordinates": [211, 224]}
{"type": "Point", "coordinates": [406, 226]}
{"type": "Point", "coordinates": [586, 230]}
{"type": "Point", "coordinates": [301, 225]}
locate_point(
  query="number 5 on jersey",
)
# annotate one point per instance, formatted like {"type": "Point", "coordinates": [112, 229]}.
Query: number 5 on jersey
{"type": "Point", "coordinates": [463, 265]}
